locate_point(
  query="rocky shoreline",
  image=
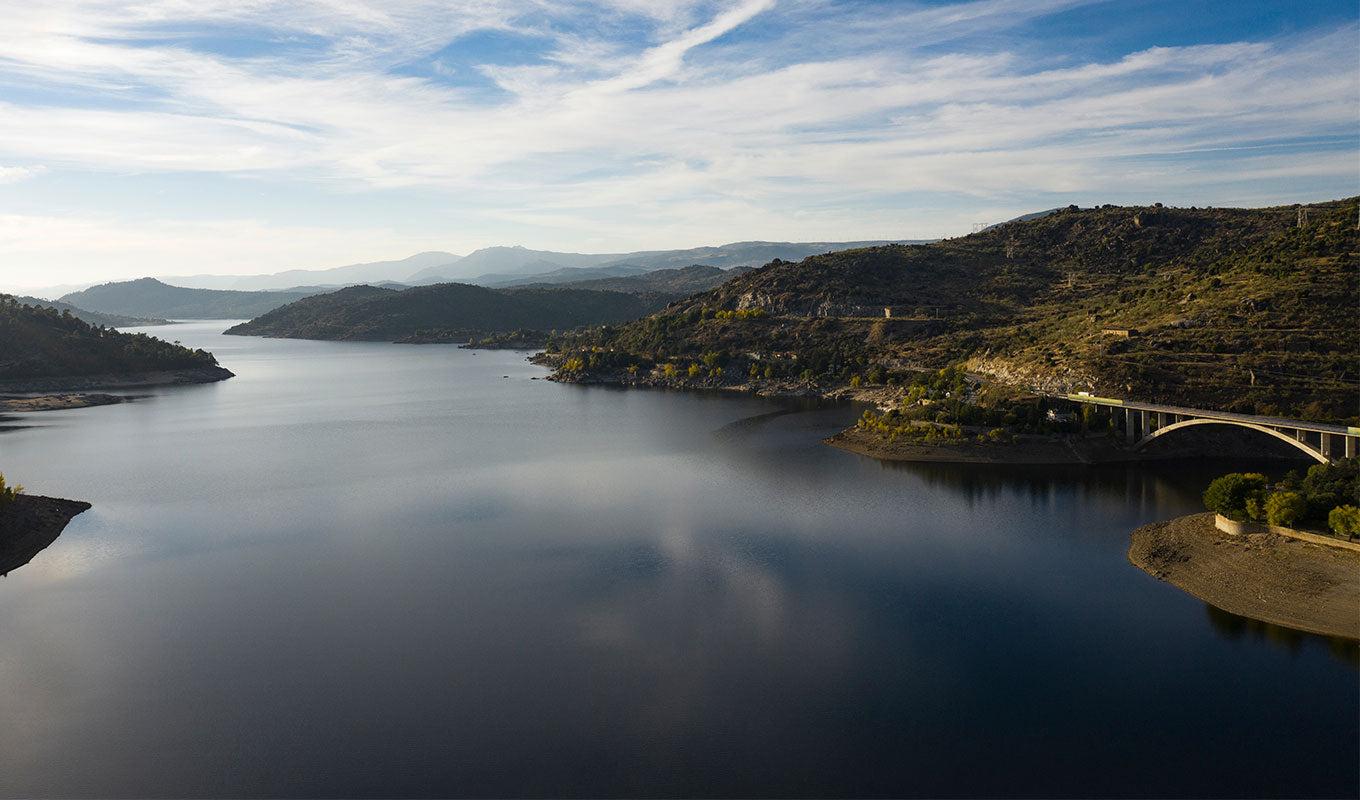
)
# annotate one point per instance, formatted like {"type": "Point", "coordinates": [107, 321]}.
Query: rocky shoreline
{"type": "Point", "coordinates": [31, 523]}
{"type": "Point", "coordinates": [1263, 576]}
{"type": "Point", "coordinates": [56, 402]}
{"type": "Point", "coordinates": [132, 380]}
{"type": "Point", "coordinates": [1024, 450]}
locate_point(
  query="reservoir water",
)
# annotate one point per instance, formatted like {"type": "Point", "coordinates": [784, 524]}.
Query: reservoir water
{"type": "Point", "coordinates": [394, 570]}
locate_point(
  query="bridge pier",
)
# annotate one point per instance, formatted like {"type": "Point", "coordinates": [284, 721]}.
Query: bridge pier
{"type": "Point", "coordinates": [1128, 426]}
{"type": "Point", "coordinates": [1350, 446]}
{"type": "Point", "coordinates": [1325, 446]}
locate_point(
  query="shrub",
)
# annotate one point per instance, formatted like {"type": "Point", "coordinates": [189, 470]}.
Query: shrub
{"type": "Point", "coordinates": [1345, 521]}
{"type": "Point", "coordinates": [8, 493]}
{"type": "Point", "coordinates": [1285, 508]}
{"type": "Point", "coordinates": [1228, 495]}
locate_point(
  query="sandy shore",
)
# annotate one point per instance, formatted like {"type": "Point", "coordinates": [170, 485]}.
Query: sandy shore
{"type": "Point", "coordinates": [53, 402]}
{"type": "Point", "coordinates": [30, 524]}
{"type": "Point", "coordinates": [1268, 577]}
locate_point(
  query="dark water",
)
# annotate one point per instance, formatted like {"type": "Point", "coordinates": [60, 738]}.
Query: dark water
{"type": "Point", "coordinates": [363, 569]}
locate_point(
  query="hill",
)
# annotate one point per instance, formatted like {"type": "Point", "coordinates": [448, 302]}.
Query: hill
{"type": "Point", "coordinates": [148, 297]}
{"type": "Point", "coordinates": [677, 283]}
{"type": "Point", "coordinates": [446, 311]}
{"type": "Point", "coordinates": [43, 343]}
{"type": "Point", "coordinates": [95, 318]}
{"type": "Point", "coordinates": [1235, 309]}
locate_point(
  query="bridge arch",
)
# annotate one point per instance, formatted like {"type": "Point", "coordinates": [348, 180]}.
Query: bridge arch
{"type": "Point", "coordinates": [1304, 446]}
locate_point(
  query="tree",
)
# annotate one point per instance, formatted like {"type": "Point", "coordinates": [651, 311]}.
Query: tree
{"type": "Point", "coordinates": [8, 493]}
{"type": "Point", "coordinates": [1329, 485]}
{"type": "Point", "coordinates": [1285, 508]}
{"type": "Point", "coordinates": [1228, 495]}
{"type": "Point", "coordinates": [1345, 521]}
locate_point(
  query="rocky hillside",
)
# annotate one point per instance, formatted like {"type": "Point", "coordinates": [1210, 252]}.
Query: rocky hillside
{"type": "Point", "coordinates": [1240, 309]}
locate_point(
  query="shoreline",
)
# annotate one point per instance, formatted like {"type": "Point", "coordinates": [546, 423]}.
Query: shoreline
{"type": "Point", "coordinates": [16, 404]}
{"type": "Point", "coordinates": [30, 524]}
{"type": "Point", "coordinates": [132, 380]}
{"type": "Point", "coordinates": [1309, 587]}
{"type": "Point", "coordinates": [1027, 450]}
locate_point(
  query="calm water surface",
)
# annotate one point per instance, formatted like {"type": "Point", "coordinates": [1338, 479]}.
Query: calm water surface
{"type": "Point", "coordinates": [370, 569]}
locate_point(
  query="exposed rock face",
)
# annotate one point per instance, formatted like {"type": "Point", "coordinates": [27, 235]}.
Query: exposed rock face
{"type": "Point", "coordinates": [1060, 379]}
{"type": "Point", "coordinates": [30, 524]}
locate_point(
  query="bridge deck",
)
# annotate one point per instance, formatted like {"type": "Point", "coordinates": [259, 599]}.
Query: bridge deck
{"type": "Point", "coordinates": [1200, 413]}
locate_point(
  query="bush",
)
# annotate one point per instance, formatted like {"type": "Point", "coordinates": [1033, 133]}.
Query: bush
{"type": "Point", "coordinates": [1228, 495]}
{"type": "Point", "coordinates": [8, 493]}
{"type": "Point", "coordinates": [1285, 508]}
{"type": "Point", "coordinates": [1344, 521]}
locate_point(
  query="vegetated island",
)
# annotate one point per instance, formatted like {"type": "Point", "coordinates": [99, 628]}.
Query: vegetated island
{"type": "Point", "coordinates": [1243, 310]}
{"type": "Point", "coordinates": [1299, 569]}
{"type": "Point", "coordinates": [43, 350]}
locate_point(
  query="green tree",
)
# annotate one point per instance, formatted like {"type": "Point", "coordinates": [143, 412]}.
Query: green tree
{"type": "Point", "coordinates": [1228, 495]}
{"type": "Point", "coordinates": [1345, 521]}
{"type": "Point", "coordinates": [1285, 508]}
{"type": "Point", "coordinates": [1329, 485]}
{"type": "Point", "coordinates": [8, 493]}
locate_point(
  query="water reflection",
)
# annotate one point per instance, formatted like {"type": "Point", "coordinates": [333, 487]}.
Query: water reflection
{"type": "Point", "coordinates": [1234, 627]}
{"type": "Point", "coordinates": [307, 582]}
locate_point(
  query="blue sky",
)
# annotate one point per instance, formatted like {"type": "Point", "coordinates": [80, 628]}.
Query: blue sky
{"type": "Point", "coordinates": [144, 137]}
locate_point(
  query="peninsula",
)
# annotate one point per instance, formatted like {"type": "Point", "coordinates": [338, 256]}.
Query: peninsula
{"type": "Point", "coordinates": [1265, 576]}
{"type": "Point", "coordinates": [29, 523]}
{"type": "Point", "coordinates": [47, 351]}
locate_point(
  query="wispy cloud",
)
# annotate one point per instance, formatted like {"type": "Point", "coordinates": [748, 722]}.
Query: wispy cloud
{"type": "Point", "coordinates": [635, 114]}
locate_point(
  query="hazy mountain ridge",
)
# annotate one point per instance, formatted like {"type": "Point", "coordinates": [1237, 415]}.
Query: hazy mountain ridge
{"type": "Point", "coordinates": [335, 277]}
{"type": "Point", "coordinates": [148, 297]}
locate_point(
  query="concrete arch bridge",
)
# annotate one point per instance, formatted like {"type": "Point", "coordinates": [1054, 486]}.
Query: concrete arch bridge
{"type": "Point", "coordinates": [1144, 422]}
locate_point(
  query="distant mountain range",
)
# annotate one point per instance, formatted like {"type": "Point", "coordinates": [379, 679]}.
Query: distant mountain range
{"type": "Point", "coordinates": [148, 297]}
{"type": "Point", "coordinates": [293, 279]}
{"type": "Point", "coordinates": [506, 266]}
{"type": "Point", "coordinates": [509, 266]}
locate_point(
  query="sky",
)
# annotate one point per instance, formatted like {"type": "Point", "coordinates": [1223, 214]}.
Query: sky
{"type": "Point", "coordinates": [155, 137]}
